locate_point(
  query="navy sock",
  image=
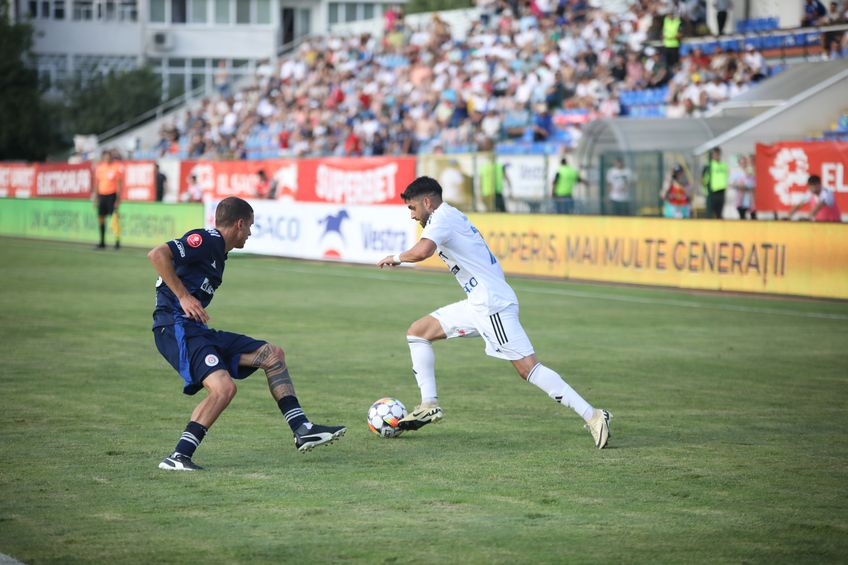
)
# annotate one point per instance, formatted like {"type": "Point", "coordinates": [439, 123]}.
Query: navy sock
{"type": "Point", "coordinates": [102, 234]}
{"type": "Point", "coordinates": [191, 438]}
{"type": "Point", "coordinates": [292, 412]}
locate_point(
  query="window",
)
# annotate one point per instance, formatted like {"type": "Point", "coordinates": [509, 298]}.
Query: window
{"type": "Point", "coordinates": [45, 8]}
{"type": "Point", "coordinates": [128, 10]}
{"type": "Point", "coordinates": [242, 11]}
{"type": "Point", "coordinates": [198, 11]}
{"type": "Point", "coordinates": [222, 11]}
{"type": "Point", "coordinates": [263, 11]}
{"type": "Point", "coordinates": [59, 9]}
{"type": "Point", "coordinates": [369, 11]}
{"type": "Point", "coordinates": [157, 11]}
{"type": "Point", "coordinates": [334, 13]}
{"type": "Point", "coordinates": [83, 9]}
{"type": "Point", "coordinates": [178, 11]}
{"type": "Point", "coordinates": [350, 12]}
{"type": "Point", "coordinates": [305, 24]}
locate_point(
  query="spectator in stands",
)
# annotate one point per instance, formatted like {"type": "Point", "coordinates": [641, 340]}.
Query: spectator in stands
{"type": "Point", "coordinates": [832, 39]}
{"type": "Point", "coordinates": [108, 185]}
{"type": "Point", "coordinates": [543, 124]}
{"type": "Point", "coordinates": [563, 187]}
{"type": "Point", "coordinates": [161, 183]}
{"type": "Point", "coordinates": [744, 181]}
{"type": "Point", "coordinates": [814, 10]}
{"type": "Point", "coordinates": [676, 108]}
{"type": "Point", "coordinates": [755, 62]}
{"type": "Point", "coordinates": [619, 180]}
{"type": "Point", "coordinates": [420, 89]}
{"type": "Point", "coordinates": [821, 201]}
{"type": "Point", "coordinates": [716, 90]}
{"type": "Point", "coordinates": [715, 176]}
{"type": "Point", "coordinates": [658, 72]}
{"type": "Point", "coordinates": [722, 7]}
{"type": "Point", "coordinates": [675, 196]}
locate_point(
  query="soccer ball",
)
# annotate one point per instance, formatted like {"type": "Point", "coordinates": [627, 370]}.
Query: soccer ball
{"type": "Point", "coordinates": [383, 417]}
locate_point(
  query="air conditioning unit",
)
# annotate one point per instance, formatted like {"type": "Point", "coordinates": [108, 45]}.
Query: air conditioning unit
{"type": "Point", "coordinates": [161, 41]}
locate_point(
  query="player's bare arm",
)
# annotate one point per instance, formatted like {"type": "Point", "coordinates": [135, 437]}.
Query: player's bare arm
{"type": "Point", "coordinates": [163, 261]}
{"type": "Point", "coordinates": [271, 359]}
{"type": "Point", "coordinates": [424, 249]}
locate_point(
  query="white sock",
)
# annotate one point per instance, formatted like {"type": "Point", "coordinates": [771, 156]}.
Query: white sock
{"type": "Point", "coordinates": [558, 389]}
{"type": "Point", "coordinates": [424, 366]}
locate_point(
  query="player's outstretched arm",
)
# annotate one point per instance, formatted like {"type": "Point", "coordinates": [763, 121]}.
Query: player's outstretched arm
{"type": "Point", "coordinates": [420, 251]}
{"type": "Point", "coordinates": [163, 261]}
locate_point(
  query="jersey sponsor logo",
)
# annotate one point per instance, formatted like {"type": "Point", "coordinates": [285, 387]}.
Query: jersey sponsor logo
{"type": "Point", "coordinates": [207, 287]}
{"type": "Point", "coordinates": [213, 232]}
{"type": "Point", "coordinates": [211, 360]}
{"type": "Point", "coordinates": [194, 240]}
{"type": "Point", "coordinates": [180, 247]}
{"type": "Point", "coordinates": [469, 286]}
{"type": "Point", "coordinates": [455, 269]}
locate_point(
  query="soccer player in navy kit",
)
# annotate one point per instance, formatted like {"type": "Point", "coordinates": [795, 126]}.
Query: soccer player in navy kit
{"type": "Point", "coordinates": [190, 270]}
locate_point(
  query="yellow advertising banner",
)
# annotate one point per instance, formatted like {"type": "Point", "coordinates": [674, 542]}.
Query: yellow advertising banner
{"type": "Point", "coordinates": [797, 258]}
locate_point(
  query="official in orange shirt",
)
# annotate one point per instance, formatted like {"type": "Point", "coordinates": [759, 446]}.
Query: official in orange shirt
{"type": "Point", "coordinates": [108, 184]}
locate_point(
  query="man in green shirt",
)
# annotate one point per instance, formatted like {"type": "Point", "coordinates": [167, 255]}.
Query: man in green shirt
{"type": "Point", "coordinates": [671, 38]}
{"type": "Point", "coordinates": [493, 177]}
{"type": "Point", "coordinates": [563, 187]}
{"type": "Point", "coordinates": [716, 175]}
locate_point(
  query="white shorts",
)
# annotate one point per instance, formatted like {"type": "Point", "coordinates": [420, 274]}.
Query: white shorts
{"type": "Point", "coordinates": [502, 332]}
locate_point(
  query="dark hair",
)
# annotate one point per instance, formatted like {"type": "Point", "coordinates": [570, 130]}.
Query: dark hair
{"type": "Point", "coordinates": [422, 186]}
{"type": "Point", "coordinates": [814, 179]}
{"type": "Point", "coordinates": [230, 210]}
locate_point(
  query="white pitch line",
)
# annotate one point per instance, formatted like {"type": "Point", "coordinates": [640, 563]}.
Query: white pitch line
{"type": "Point", "coordinates": [7, 560]}
{"type": "Point", "coordinates": [592, 295]}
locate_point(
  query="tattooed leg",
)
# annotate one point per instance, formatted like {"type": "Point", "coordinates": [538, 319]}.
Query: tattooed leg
{"type": "Point", "coordinates": [272, 360]}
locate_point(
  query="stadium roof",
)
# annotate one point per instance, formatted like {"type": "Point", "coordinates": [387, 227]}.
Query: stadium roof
{"type": "Point", "coordinates": [621, 135]}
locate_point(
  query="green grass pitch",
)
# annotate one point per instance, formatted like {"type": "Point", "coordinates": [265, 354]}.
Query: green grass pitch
{"type": "Point", "coordinates": [728, 440]}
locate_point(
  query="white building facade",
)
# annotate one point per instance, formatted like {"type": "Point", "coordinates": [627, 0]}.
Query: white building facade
{"type": "Point", "coordinates": [189, 43]}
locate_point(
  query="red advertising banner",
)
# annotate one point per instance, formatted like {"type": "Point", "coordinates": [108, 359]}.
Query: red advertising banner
{"type": "Point", "coordinates": [63, 180]}
{"type": "Point", "coordinates": [213, 180]}
{"type": "Point", "coordinates": [139, 181]}
{"type": "Point", "coordinates": [783, 169]}
{"type": "Point", "coordinates": [354, 180]}
{"type": "Point", "coordinates": [17, 180]}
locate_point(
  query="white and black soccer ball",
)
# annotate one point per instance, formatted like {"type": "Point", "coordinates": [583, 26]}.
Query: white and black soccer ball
{"type": "Point", "coordinates": [384, 415]}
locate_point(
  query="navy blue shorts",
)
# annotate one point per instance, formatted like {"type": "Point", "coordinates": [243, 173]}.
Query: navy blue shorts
{"type": "Point", "coordinates": [195, 351]}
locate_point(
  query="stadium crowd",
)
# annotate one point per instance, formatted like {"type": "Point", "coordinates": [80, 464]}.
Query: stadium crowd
{"type": "Point", "coordinates": [532, 71]}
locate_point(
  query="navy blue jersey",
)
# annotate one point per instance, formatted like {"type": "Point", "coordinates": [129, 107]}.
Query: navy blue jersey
{"type": "Point", "coordinates": [199, 261]}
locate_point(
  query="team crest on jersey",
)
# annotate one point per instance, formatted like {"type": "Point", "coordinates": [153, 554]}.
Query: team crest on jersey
{"type": "Point", "coordinates": [194, 240]}
{"type": "Point", "coordinates": [211, 360]}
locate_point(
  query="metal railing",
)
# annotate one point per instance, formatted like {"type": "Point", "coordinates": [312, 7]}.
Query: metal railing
{"type": "Point", "coordinates": [152, 114]}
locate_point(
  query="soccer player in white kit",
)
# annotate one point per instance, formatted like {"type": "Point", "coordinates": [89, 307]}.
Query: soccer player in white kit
{"type": "Point", "coordinates": [490, 310]}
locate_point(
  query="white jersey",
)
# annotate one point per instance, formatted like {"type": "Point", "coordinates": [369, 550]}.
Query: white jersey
{"type": "Point", "coordinates": [466, 254]}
